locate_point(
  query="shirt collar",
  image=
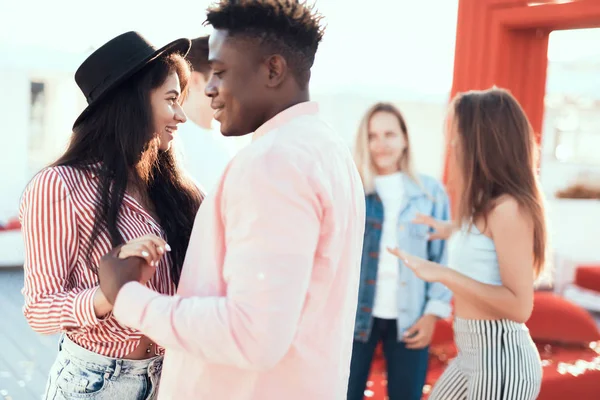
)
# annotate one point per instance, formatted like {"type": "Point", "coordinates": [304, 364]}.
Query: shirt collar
{"type": "Point", "coordinates": [285, 116]}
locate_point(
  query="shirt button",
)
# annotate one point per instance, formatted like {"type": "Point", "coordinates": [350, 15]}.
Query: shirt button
{"type": "Point", "coordinates": [402, 227]}
{"type": "Point", "coordinates": [402, 284]}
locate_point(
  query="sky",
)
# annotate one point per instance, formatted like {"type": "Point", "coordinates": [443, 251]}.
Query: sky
{"type": "Point", "coordinates": [379, 44]}
{"type": "Point", "coordinates": [388, 42]}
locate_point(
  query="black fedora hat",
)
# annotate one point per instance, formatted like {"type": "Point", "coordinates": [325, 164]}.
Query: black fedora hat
{"type": "Point", "coordinates": [117, 60]}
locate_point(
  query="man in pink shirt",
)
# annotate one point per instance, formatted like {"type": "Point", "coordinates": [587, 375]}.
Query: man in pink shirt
{"type": "Point", "coordinates": [266, 303]}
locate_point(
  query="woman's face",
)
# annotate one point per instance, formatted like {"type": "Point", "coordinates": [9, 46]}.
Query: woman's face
{"type": "Point", "coordinates": [387, 142]}
{"type": "Point", "coordinates": [455, 150]}
{"type": "Point", "coordinates": [167, 111]}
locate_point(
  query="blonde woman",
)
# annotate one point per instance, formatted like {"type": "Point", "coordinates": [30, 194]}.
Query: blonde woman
{"type": "Point", "coordinates": [395, 307]}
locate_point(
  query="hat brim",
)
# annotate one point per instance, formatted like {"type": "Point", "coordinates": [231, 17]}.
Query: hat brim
{"type": "Point", "coordinates": [181, 46]}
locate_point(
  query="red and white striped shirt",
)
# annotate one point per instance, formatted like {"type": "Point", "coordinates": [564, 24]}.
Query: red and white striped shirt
{"type": "Point", "coordinates": [57, 215]}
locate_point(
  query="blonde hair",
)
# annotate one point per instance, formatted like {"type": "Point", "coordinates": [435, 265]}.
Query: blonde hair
{"type": "Point", "coordinates": [362, 154]}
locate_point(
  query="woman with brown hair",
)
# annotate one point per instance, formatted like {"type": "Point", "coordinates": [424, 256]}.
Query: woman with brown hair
{"type": "Point", "coordinates": [496, 251]}
{"type": "Point", "coordinates": [116, 184]}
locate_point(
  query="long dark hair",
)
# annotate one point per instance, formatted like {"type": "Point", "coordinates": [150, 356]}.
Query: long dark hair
{"type": "Point", "coordinates": [498, 155]}
{"type": "Point", "coordinates": [117, 143]}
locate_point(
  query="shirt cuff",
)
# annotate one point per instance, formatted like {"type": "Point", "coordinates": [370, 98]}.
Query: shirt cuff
{"type": "Point", "coordinates": [83, 308]}
{"type": "Point", "coordinates": [438, 308]}
{"type": "Point", "coordinates": [131, 303]}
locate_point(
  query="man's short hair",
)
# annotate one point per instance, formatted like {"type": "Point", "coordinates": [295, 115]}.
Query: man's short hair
{"type": "Point", "coordinates": [290, 28]}
{"type": "Point", "coordinates": [198, 56]}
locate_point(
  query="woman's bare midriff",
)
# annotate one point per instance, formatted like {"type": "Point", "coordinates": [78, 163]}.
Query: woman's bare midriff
{"type": "Point", "coordinates": [141, 351]}
{"type": "Point", "coordinates": [465, 309]}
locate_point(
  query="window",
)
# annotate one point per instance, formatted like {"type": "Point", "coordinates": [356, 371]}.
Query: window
{"type": "Point", "coordinates": [37, 123]}
{"type": "Point", "coordinates": [577, 134]}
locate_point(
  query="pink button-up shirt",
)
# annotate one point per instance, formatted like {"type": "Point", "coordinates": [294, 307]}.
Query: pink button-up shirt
{"type": "Point", "coordinates": [266, 305]}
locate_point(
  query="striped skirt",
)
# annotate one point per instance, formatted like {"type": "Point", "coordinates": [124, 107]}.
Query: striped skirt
{"type": "Point", "coordinates": [497, 360]}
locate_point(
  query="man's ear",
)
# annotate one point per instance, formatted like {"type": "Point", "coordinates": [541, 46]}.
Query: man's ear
{"type": "Point", "coordinates": [197, 80]}
{"type": "Point", "coordinates": [277, 68]}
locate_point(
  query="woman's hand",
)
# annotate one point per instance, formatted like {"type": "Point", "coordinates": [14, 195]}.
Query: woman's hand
{"type": "Point", "coordinates": [420, 334]}
{"type": "Point", "coordinates": [151, 248]}
{"type": "Point", "coordinates": [442, 230]}
{"type": "Point", "coordinates": [424, 269]}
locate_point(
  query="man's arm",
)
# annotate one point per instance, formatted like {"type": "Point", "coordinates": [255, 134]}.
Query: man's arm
{"type": "Point", "coordinates": [272, 217]}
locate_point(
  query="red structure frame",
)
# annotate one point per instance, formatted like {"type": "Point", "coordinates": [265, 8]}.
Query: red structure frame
{"type": "Point", "coordinates": [505, 43]}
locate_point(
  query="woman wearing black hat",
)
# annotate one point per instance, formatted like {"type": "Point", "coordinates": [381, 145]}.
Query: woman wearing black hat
{"type": "Point", "coordinates": [117, 181]}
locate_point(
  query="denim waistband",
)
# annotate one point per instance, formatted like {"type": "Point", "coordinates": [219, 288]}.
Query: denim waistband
{"type": "Point", "coordinates": [114, 366]}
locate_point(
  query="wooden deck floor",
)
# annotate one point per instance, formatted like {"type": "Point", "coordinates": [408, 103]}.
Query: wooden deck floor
{"type": "Point", "coordinates": [25, 356]}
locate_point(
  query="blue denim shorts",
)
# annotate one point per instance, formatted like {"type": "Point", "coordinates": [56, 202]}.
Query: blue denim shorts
{"type": "Point", "coordinates": [78, 373]}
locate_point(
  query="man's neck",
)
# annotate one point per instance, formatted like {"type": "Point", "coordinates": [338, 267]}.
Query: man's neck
{"type": "Point", "coordinates": [301, 97]}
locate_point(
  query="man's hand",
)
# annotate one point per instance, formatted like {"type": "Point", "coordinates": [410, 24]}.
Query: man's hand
{"type": "Point", "coordinates": [420, 334]}
{"type": "Point", "coordinates": [114, 273]}
{"type": "Point", "coordinates": [135, 261]}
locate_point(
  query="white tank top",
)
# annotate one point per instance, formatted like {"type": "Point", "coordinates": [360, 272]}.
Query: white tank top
{"type": "Point", "coordinates": [473, 254]}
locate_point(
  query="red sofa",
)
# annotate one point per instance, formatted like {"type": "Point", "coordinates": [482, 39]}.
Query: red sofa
{"type": "Point", "coordinates": [567, 338]}
{"type": "Point", "coordinates": [12, 224]}
{"type": "Point", "coordinates": [588, 277]}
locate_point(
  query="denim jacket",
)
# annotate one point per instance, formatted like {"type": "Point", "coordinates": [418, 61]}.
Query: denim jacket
{"type": "Point", "coordinates": [415, 296]}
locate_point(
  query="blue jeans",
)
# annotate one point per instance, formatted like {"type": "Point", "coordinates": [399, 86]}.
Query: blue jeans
{"type": "Point", "coordinates": [406, 368]}
{"type": "Point", "coordinates": [78, 373]}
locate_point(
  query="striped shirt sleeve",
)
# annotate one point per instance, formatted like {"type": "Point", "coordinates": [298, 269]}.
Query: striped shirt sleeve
{"type": "Point", "coordinates": [49, 225]}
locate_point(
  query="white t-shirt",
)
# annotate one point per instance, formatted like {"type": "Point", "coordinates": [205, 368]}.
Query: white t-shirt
{"type": "Point", "coordinates": [391, 192]}
{"type": "Point", "coordinates": [205, 153]}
